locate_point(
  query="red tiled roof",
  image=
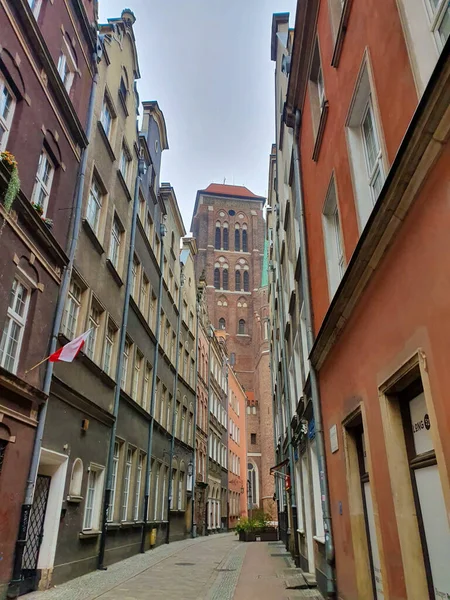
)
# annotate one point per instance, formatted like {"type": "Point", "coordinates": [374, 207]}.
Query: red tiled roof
{"type": "Point", "coordinates": [230, 190]}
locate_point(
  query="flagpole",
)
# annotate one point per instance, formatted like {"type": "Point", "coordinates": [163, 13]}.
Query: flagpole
{"type": "Point", "coordinates": [39, 363]}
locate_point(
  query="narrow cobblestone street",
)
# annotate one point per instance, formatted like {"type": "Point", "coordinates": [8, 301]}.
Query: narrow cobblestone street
{"type": "Point", "coordinates": [211, 568]}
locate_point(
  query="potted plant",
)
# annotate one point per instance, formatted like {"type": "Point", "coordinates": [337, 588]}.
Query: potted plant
{"type": "Point", "coordinates": [14, 182]}
{"type": "Point", "coordinates": [256, 529]}
{"type": "Point", "coordinates": [38, 208]}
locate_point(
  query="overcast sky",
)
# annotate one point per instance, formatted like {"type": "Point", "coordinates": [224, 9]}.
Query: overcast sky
{"type": "Point", "coordinates": [207, 63]}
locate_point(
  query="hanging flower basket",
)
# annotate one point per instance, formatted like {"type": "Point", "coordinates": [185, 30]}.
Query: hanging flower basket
{"type": "Point", "coordinates": [14, 183]}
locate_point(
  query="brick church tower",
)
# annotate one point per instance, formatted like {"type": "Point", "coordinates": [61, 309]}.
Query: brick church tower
{"type": "Point", "coordinates": [229, 226]}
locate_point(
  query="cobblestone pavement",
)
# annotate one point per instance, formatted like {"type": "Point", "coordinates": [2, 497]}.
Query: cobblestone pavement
{"type": "Point", "coordinates": [218, 567]}
{"type": "Point", "coordinates": [198, 569]}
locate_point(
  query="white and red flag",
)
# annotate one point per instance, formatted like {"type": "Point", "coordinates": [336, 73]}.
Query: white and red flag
{"type": "Point", "coordinates": [68, 352]}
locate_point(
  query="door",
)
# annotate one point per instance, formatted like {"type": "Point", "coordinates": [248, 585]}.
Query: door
{"type": "Point", "coordinates": [30, 576]}
{"type": "Point", "coordinates": [308, 513]}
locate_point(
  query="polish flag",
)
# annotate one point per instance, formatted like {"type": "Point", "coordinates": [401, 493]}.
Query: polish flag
{"type": "Point", "coordinates": [68, 352]}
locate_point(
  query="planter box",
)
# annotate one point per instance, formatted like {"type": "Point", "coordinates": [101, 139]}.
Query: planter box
{"type": "Point", "coordinates": [267, 535]}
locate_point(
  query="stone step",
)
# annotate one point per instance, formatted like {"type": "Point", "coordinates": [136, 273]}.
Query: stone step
{"type": "Point", "coordinates": [296, 583]}
{"type": "Point", "coordinates": [310, 579]}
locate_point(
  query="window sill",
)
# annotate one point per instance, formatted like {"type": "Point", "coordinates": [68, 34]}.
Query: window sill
{"type": "Point", "coordinates": [105, 138]}
{"type": "Point", "coordinates": [93, 237]}
{"type": "Point", "coordinates": [301, 531]}
{"type": "Point", "coordinates": [112, 525]}
{"type": "Point", "coordinates": [117, 278]}
{"type": "Point", "coordinates": [85, 535]}
{"type": "Point", "coordinates": [126, 524]}
{"type": "Point", "coordinates": [124, 184]}
{"type": "Point", "coordinates": [74, 499]}
{"type": "Point", "coordinates": [319, 539]}
{"type": "Point", "coordinates": [342, 30]}
{"type": "Point", "coordinates": [320, 131]}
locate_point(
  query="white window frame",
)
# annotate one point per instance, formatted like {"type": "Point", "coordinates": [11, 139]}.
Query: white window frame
{"type": "Point", "coordinates": [128, 469]}
{"type": "Point", "coordinates": [363, 178]}
{"type": "Point", "coordinates": [137, 375]}
{"type": "Point", "coordinates": [376, 169]}
{"type": "Point", "coordinates": [72, 310]}
{"type": "Point", "coordinates": [334, 248]}
{"type": "Point", "coordinates": [95, 315]}
{"type": "Point", "coordinates": [94, 206]}
{"type": "Point", "coordinates": [115, 471]}
{"type": "Point", "coordinates": [41, 187]}
{"type": "Point", "coordinates": [91, 521]}
{"type": "Point", "coordinates": [125, 361]}
{"type": "Point", "coordinates": [6, 95]}
{"type": "Point", "coordinates": [35, 6]}
{"type": "Point", "coordinates": [14, 318]}
{"type": "Point", "coordinates": [115, 243]}
{"type": "Point", "coordinates": [108, 354]}
{"type": "Point", "coordinates": [157, 474]}
{"type": "Point", "coordinates": [436, 16]}
{"type": "Point", "coordinates": [106, 117]}
{"type": "Point", "coordinates": [67, 66]}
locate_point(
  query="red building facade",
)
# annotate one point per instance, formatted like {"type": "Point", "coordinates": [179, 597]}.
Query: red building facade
{"type": "Point", "coordinates": [369, 88]}
{"type": "Point", "coordinates": [46, 74]}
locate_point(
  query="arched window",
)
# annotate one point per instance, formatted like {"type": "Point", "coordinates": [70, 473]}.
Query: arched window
{"type": "Point", "coordinates": [244, 239]}
{"type": "Point", "coordinates": [76, 478]}
{"type": "Point", "coordinates": [253, 485]}
{"type": "Point", "coordinates": [246, 281]}
{"type": "Point", "coordinates": [218, 236]}
{"type": "Point", "coordinates": [225, 279]}
{"type": "Point", "coordinates": [222, 324]}
{"type": "Point", "coordinates": [225, 236]}
{"type": "Point", "coordinates": [237, 239]}
{"type": "Point", "coordinates": [241, 328]}
{"type": "Point", "coordinates": [217, 278]}
{"type": "Point", "coordinates": [237, 280]}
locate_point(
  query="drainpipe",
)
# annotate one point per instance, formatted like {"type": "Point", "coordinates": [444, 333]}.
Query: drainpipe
{"type": "Point", "coordinates": [194, 453]}
{"type": "Point", "coordinates": [317, 408]}
{"type": "Point", "coordinates": [174, 400]}
{"type": "Point", "coordinates": [287, 393]}
{"type": "Point", "coordinates": [119, 367]}
{"type": "Point", "coordinates": [13, 588]}
{"type": "Point", "coordinates": [148, 469]}
{"type": "Point", "coordinates": [210, 335]}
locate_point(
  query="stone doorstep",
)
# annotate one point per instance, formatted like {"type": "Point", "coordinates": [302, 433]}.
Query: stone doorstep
{"type": "Point", "coordinates": [310, 579]}
{"type": "Point", "coordinates": [296, 583]}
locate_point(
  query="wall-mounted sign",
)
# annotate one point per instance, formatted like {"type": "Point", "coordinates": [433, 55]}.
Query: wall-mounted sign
{"type": "Point", "coordinates": [334, 442]}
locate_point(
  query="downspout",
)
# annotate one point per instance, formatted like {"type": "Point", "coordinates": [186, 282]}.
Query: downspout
{"type": "Point", "coordinates": [210, 334]}
{"type": "Point", "coordinates": [13, 588]}
{"type": "Point", "coordinates": [194, 453]}
{"type": "Point", "coordinates": [119, 367]}
{"type": "Point", "coordinates": [148, 468]}
{"type": "Point", "coordinates": [174, 401]}
{"type": "Point", "coordinates": [305, 283]}
{"type": "Point", "coordinates": [287, 393]}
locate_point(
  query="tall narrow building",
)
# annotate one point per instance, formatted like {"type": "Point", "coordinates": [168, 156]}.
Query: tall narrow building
{"type": "Point", "coordinates": [229, 226]}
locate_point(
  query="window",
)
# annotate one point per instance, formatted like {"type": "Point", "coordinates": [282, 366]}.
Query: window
{"type": "Point", "coordinates": [244, 239]}
{"type": "Point", "coordinates": [217, 240]}
{"type": "Point", "coordinates": [123, 91]}
{"type": "Point", "coordinates": [253, 485]}
{"type": "Point", "coordinates": [225, 236]}
{"type": "Point", "coordinates": [145, 386]}
{"type": "Point", "coordinates": [316, 89]}
{"type": "Point", "coordinates": [363, 140]}
{"type": "Point", "coordinates": [225, 279]}
{"type": "Point", "coordinates": [222, 323]}
{"type": "Point", "coordinates": [183, 424]}
{"type": "Point", "coordinates": [94, 207]}
{"type": "Point", "coordinates": [134, 278]}
{"type": "Point", "coordinates": [7, 106]}
{"type": "Point", "coordinates": [35, 6]}
{"type": "Point", "coordinates": [155, 506]}
{"type": "Point", "coordinates": [137, 493]}
{"type": "Point", "coordinates": [106, 118]}
{"type": "Point", "coordinates": [439, 14]}
{"type": "Point", "coordinates": [253, 438]}
{"type": "Point", "coordinates": [115, 468]}
{"type": "Point", "coordinates": [14, 326]}
{"type": "Point", "coordinates": [217, 278]}
{"type": "Point", "coordinates": [246, 281]}
{"type": "Point", "coordinates": [163, 499]}
{"type": "Point", "coordinates": [241, 328]}
{"type": "Point", "coordinates": [71, 311]}
{"type": "Point", "coordinates": [109, 349]}
{"type": "Point", "coordinates": [94, 494]}
{"type": "Point", "coordinates": [126, 483]}
{"type": "Point", "coordinates": [43, 183]}
{"type": "Point", "coordinates": [143, 298]}
{"type": "Point", "coordinates": [334, 251]}
{"type": "Point", "coordinates": [126, 356]}
{"type": "Point", "coordinates": [237, 280]}
{"type": "Point", "coordinates": [125, 164]}
{"type": "Point", "coordinates": [266, 329]}
{"type": "Point", "coordinates": [94, 324]}
{"type": "Point", "coordinates": [67, 66]}
{"type": "Point", "coordinates": [237, 239]}
{"type": "Point", "coordinates": [137, 375]}
{"type": "Point", "coordinates": [335, 10]}
{"type": "Point", "coordinates": [114, 248]}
